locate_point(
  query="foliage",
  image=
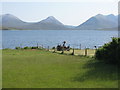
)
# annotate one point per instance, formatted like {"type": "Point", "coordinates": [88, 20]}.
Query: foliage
{"type": "Point", "coordinates": [109, 51]}
{"type": "Point", "coordinates": [27, 47]}
{"type": "Point", "coordinates": [53, 47]}
{"type": "Point", "coordinates": [34, 47]}
{"type": "Point", "coordinates": [17, 48]}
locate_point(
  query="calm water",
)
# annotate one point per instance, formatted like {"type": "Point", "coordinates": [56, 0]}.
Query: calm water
{"type": "Point", "coordinates": [87, 38]}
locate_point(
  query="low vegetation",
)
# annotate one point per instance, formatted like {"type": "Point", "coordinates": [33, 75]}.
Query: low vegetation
{"type": "Point", "coordinates": [27, 47]}
{"type": "Point", "coordinates": [109, 52]}
{"type": "Point", "coordinates": [35, 67]}
{"type": "Point", "coordinates": [30, 68]}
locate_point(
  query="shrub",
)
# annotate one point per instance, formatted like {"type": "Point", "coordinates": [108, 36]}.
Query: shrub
{"type": "Point", "coordinates": [17, 48]}
{"type": "Point", "coordinates": [26, 47]}
{"type": "Point", "coordinates": [34, 48]}
{"type": "Point", "coordinates": [53, 47]}
{"type": "Point", "coordinates": [109, 51]}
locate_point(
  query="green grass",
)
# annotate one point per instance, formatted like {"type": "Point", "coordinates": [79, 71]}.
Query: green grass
{"type": "Point", "coordinates": [42, 69]}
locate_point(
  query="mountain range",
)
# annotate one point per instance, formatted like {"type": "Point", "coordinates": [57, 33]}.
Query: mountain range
{"type": "Point", "coordinates": [8, 21]}
{"type": "Point", "coordinates": [100, 22]}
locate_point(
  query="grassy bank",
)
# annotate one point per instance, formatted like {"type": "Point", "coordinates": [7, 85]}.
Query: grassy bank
{"type": "Point", "coordinates": [42, 69]}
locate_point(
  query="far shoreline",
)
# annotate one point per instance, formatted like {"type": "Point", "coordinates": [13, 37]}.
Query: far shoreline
{"type": "Point", "coordinates": [60, 30]}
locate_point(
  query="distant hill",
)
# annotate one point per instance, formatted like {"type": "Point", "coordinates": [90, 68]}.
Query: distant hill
{"type": "Point", "coordinates": [50, 23]}
{"type": "Point", "coordinates": [8, 21]}
{"type": "Point", "coordinates": [99, 22]}
{"type": "Point", "coordinates": [11, 22]}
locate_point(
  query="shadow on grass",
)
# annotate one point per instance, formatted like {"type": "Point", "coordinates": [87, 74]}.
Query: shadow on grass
{"type": "Point", "coordinates": [95, 70]}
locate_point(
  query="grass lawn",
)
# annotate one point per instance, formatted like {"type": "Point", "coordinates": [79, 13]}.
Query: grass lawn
{"type": "Point", "coordinates": [42, 69]}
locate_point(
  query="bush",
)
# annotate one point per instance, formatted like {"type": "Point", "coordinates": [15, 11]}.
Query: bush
{"type": "Point", "coordinates": [109, 51]}
{"type": "Point", "coordinates": [17, 48]}
{"type": "Point", "coordinates": [27, 47]}
{"type": "Point", "coordinates": [34, 48]}
{"type": "Point", "coordinates": [53, 47]}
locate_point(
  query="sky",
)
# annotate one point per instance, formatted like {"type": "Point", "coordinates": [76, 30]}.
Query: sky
{"type": "Point", "coordinates": [68, 12]}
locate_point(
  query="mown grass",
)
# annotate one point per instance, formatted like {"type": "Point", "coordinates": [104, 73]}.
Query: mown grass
{"type": "Point", "coordinates": [43, 69]}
